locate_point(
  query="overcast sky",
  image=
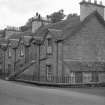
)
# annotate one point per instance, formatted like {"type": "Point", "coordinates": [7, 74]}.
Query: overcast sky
{"type": "Point", "coordinates": [17, 12]}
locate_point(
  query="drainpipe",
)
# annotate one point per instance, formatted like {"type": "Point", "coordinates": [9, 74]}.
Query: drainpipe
{"type": "Point", "coordinates": [25, 54]}
{"type": "Point", "coordinates": [57, 62]}
{"type": "Point", "coordinates": [4, 60]}
{"type": "Point", "coordinates": [34, 72]}
{"type": "Point", "coordinates": [63, 72]}
{"type": "Point", "coordinates": [4, 55]}
{"type": "Point", "coordinates": [39, 62]}
{"type": "Point", "coordinates": [15, 59]}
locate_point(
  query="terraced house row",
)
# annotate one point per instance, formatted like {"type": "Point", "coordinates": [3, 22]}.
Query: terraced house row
{"type": "Point", "coordinates": [71, 51]}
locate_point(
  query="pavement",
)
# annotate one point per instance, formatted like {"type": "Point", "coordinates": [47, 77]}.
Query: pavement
{"type": "Point", "coordinates": [18, 94]}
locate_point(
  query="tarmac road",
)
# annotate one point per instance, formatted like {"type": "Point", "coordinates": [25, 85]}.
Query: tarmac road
{"type": "Point", "coordinates": [18, 94]}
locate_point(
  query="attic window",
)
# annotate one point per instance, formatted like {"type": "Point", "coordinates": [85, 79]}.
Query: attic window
{"type": "Point", "coordinates": [49, 46]}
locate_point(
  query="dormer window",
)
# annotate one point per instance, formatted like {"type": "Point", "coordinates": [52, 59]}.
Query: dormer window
{"type": "Point", "coordinates": [49, 46]}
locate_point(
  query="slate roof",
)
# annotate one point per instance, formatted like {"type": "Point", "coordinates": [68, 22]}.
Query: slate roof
{"type": "Point", "coordinates": [69, 28]}
{"type": "Point", "coordinates": [20, 35]}
{"type": "Point", "coordinates": [56, 33]}
{"type": "Point", "coordinates": [65, 25]}
{"type": "Point", "coordinates": [81, 24]}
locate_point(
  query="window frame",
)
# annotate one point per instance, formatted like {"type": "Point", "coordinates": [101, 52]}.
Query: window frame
{"type": "Point", "coordinates": [9, 52]}
{"type": "Point", "coordinates": [21, 50]}
{"type": "Point", "coordinates": [49, 46]}
{"type": "Point", "coordinates": [48, 72]}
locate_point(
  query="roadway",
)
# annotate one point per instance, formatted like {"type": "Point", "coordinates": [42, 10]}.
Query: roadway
{"type": "Point", "coordinates": [19, 94]}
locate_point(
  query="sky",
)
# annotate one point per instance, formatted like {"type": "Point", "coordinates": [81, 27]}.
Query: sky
{"type": "Point", "coordinates": [17, 12]}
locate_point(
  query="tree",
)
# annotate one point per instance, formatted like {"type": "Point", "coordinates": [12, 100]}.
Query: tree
{"type": "Point", "coordinates": [24, 28]}
{"type": "Point", "coordinates": [56, 16]}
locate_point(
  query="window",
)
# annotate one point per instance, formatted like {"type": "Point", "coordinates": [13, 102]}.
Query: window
{"type": "Point", "coordinates": [21, 51]}
{"type": "Point", "coordinates": [49, 72]}
{"type": "Point", "coordinates": [87, 77]}
{"type": "Point", "coordinates": [72, 77]}
{"type": "Point", "coordinates": [78, 77]}
{"type": "Point", "coordinates": [9, 68]}
{"type": "Point", "coordinates": [49, 46]}
{"type": "Point", "coordinates": [49, 42]}
{"type": "Point", "coordinates": [94, 76]}
{"type": "Point", "coordinates": [9, 52]}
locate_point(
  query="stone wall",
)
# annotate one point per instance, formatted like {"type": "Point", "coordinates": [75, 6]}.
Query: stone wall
{"type": "Point", "coordinates": [88, 44]}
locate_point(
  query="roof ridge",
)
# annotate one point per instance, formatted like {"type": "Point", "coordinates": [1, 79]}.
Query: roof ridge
{"type": "Point", "coordinates": [79, 26]}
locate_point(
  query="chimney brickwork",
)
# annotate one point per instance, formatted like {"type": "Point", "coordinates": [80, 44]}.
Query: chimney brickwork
{"type": "Point", "coordinates": [87, 7]}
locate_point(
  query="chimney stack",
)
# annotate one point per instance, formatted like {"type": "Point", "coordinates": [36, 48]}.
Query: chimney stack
{"type": "Point", "coordinates": [87, 7]}
{"type": "Point", "coordinates": [101, 3]}
{"type": "Point", "coordinates": [83, 0]}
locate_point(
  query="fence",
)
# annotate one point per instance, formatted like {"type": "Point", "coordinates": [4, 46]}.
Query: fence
{"type": "Point", "coordinates": [51, 79]}
{"type": "Point", "coordinates": [82, 79]}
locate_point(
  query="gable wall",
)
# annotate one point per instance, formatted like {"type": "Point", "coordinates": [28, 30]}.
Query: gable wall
{"type": "Point", "coordinates": [51, 59]}
{"type": "Point", "coordinates": [88, 44]}
{"type": "Point", "coordinates": [87, 9]}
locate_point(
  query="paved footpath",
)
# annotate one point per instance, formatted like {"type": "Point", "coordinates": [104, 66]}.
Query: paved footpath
{"type": "Point", "coordinates": [18, 94]}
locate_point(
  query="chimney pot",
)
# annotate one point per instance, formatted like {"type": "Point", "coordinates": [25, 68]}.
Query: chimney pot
{"type": "Point", "coordinates": [95, 1]}
{"type": "Point", "coordinates": [89, 1]}
{"type": "Point", "coordinates": [101, 3]}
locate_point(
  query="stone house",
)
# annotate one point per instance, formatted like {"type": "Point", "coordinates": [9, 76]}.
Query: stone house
{"type": "Point", "coordinates": [71, 51]}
